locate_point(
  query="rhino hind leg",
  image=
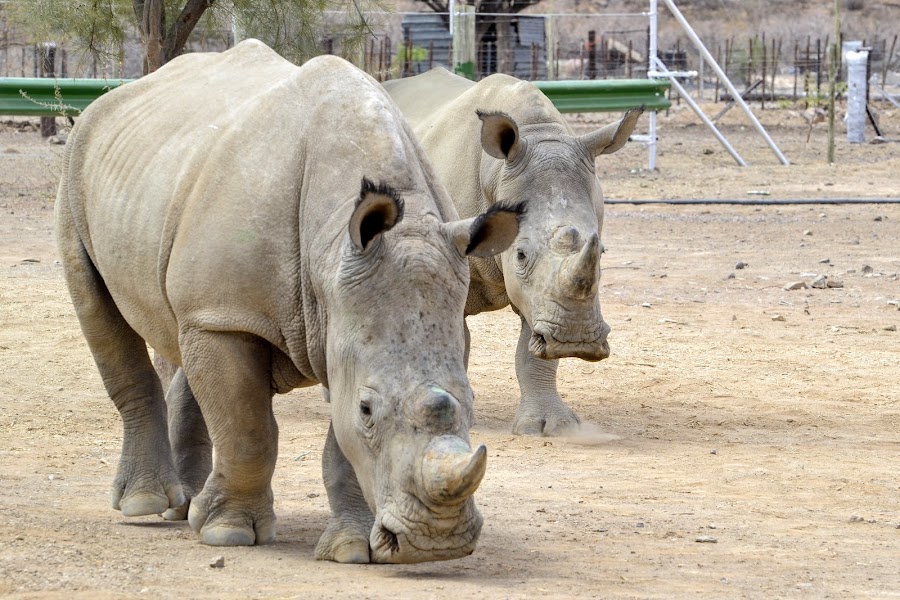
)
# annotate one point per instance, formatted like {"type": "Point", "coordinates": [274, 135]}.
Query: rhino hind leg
{"type": "Point", "coordinates": [189, 439]}
{"type": "Point", "coordinates": [346, 538]}
{"type": "Point", "coordinates": [146, 482]}
{"type": "Point", "coordinates": [541, 410]}
{"type": "Point", "coordinates": [229, 375]}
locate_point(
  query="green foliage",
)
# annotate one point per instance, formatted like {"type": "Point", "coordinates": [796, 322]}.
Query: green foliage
{"type": "Point", "coordinates": [292, 27]}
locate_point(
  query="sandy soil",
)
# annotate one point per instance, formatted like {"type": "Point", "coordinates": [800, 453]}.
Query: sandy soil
{"type": "Point", "coordinates": [742, 439]}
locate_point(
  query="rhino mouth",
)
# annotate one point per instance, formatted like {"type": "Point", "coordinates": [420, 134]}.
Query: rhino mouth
{"type": "Point", "coordinates": [550, 341]}
{"type": "Point", "coordinates": [396, 540]}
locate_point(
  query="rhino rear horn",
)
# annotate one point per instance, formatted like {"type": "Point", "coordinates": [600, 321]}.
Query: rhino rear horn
{"type": "Point", "coordinates": [378, 209]}
{"type": "Point", "coordinates": [489, 233]}
{"type": "Point", "coordinates": [499, 135]}
{"type": "Point", "coordinates": [610, 138]}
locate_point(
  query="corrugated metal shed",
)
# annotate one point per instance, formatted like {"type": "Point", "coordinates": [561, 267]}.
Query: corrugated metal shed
{"type": "Point", "coordinates": [427, 31]}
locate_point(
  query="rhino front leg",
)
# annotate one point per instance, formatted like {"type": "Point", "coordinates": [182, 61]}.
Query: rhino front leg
{"type": "Point", "coordinates": [191, 446]}
{"type": "Point", "coordinates": [346, 539]}
{"type": "Point", "coordinates": [541, 410]}
{"type": "Point", "coordinates": [230, 378]}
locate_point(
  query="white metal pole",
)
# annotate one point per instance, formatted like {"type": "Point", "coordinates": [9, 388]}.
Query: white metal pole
{"type": "Point", "coordinates": [651, 65]}
{"type": "Point", "coordinates": [687, 98]}
{"type": "Point", "coordinates": [727, 82]}
{"type": "Point", "coordinates": [452, 8]}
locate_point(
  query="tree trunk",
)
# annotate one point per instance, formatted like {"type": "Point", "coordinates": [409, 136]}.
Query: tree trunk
{"type": "Point", "coordinates": [181, 29]}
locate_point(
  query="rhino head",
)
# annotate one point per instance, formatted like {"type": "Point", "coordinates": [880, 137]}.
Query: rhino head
{"type": "Point", "coordinates": [552, 270]}
{"type": "Point", "coordinates": [401, 400]}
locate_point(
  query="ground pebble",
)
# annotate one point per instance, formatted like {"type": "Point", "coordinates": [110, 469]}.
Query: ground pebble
{"type": "Point", "coordinates": [825, 261]}
{"type": "Point", "coordinates": [795, 285]}
{"type": "Point", "coordinates": [857, 519]}
{"type": "Point", "coordinates": [713, 451]}
{"type": "Point", "coordinates": [218, 562]}
{"type": "Point", "coordinates": [807, 232]}
{"type": "Point", "coordinates": [891, 328]}
{"type": "Point", "coordinates": [707, 539]}
{"type": "Point", "coordinates": [866, 269]}
{"type": "Point", "coordinates": [741, 265]}
{"type": "Point", "coordinates": [778, 318]}
{"type": "Point", "coordinates": [820, 282]}
{"type": "Point", "coordinates": [834, 283]}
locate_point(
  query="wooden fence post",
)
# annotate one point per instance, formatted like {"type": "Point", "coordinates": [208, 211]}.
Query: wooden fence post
{"type": "Point", "coordinates": [48, 66]}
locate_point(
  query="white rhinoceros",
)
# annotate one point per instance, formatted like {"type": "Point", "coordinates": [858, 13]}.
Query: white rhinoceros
{"type": "Point", "coordinates": [502, 140]}
{"type": "Point", "coordinates": [267, 227]}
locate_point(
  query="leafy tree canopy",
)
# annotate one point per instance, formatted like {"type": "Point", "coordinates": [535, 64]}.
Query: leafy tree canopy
{"type": "Point", "coordinates": [292, 27]}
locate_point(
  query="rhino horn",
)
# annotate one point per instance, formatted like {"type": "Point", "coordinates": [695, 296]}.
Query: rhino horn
{"type": "Point", "coordinates": [579, 280]}
{"type": "Point", "coordinates": [451, 471]}
{"type": "Point", "coordinates": [612, 137]}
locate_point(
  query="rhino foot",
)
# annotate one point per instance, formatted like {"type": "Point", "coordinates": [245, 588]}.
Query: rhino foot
{"type": "Point", "coordinates": [139, 496]}
{"type": "Point", "coordinates": [222, 522]}
{"type": "Point", "coordinates": [343, 543]}
{"type": "Point", "coordinates": [546, 419]}
{"type": "Point", "coordinates": [179, 513]}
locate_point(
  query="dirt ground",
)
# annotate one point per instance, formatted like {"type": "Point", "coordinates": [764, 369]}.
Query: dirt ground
{"type": "Point", "coordinates": [742, 440]}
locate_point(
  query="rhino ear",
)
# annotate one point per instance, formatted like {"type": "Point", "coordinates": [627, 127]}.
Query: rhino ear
{"type": "Point", "coordinates": [613, 136]}
{"type": "Point", "coordinates": [378, 209]}
{"type": "Point", "coordinates": [489, 233]}
{"type": "Point", "coordinates": [499, 134]}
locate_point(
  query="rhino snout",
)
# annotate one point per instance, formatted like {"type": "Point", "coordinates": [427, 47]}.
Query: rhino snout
{"type": "Point", "coordinates": [548, 342]}
{"type": "Point", "coordinates": [427, 537]}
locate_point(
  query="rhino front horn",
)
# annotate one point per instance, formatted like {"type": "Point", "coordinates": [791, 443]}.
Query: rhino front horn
{"type": "Point", "coordinates": [580, 279]}
{"type": "Point", "coordinates": [451, 471]}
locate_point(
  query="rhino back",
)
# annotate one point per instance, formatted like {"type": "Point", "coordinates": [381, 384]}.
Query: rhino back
{"type": "Point", "coordinates": [204, 192]}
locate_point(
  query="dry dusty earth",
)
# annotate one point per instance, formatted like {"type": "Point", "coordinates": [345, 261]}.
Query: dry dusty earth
{"type": "Point", "coordinates": [730, 410]}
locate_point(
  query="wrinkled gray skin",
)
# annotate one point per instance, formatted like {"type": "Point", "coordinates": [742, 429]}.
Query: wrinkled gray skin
{"type": "Point", "coordinates": [502, 140]}
{"type": "Point", "coordinates": [222, 211]}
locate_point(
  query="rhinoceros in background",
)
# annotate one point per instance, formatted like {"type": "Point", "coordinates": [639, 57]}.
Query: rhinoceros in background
{"type": "Point", "coordinates": [267, 227]}
{"type": "Point", "coordinates": [502, 140]}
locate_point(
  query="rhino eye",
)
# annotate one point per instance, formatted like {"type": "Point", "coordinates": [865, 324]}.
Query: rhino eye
{"type": "Point", "coordinates": [520, 256]}
{"type": "Point", "coordinates": [366, 412]}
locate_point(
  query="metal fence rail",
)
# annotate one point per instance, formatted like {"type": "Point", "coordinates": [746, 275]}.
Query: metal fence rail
{"type": "Point", "coordinates": [30, 97]}
{"type": "Point", "coordinates": [36, 97]}
{"type": "Point", "coordinates": [606, 95]}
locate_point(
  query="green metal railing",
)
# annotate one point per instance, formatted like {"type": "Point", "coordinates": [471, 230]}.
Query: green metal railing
{"type": "Point", "coordinates": [606, 95]}
{"type": "Point", "coordinates": [31, 97]}
{"type": "Point", "coordinates": [23, 96]}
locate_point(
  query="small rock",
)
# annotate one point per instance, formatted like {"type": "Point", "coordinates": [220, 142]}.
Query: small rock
{"type": "Point", "coordinates": [778, 318]}
{"type": "Point", "coordinates": [891, 328]}
{"type": "Point", "coordinates": [57, 140]}
{"type": "Point", "coordinates": [820, 282]}
{"type": "Point", "coordinates": [866, 269]}
{"type": "Point", "coordinates": [217, 563]}
{"type": "Point", "coordinates": [707, 151]}
{"type": "Point", "coordinates": [825, 261]}
{"type": "Point", "coordinates": [878, 219]}
{"type": "Point", "coordinates": [31, 260]}
{"type": "Point", "coordinates": [711, 526]}
{"type": "Point", "coordinates": [707, 539]}
{"type": "Point", "coordinates": [807, 232]}
{"type": "Point", "coordinates": [857, 519]}
{"type": "Point", "coordinates": [638, 524]}
{"type": "Point", "coordinates": [645, 305]}
{"type": "Point", "coordinates": [144, 590]}
{"type": "Point", "coordinates": [796, 285]}
{"type": "Point", "coordinates": [834, 283]}
{"type": "Point", "coordinates": [730, 276]}
{"type": "Point", "coordinates": [312, 495]}
{"type": "Point", "coordinates": [878, 140]}
{"type": "Point", "coordinates": [741, 265]}
{"type": "Point", "coordinates": [713, 451]}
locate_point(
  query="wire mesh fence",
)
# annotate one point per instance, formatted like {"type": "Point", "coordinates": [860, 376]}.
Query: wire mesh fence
{"type": "Point", "coordinates": [549, 46]}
